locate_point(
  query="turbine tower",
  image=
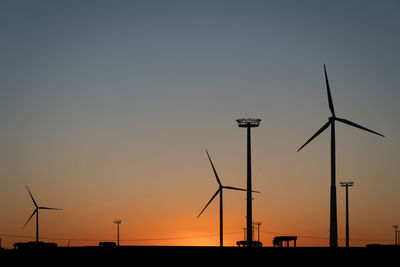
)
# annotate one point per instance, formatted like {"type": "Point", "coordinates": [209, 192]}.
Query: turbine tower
{"type": "Point", "coordinates": [219, 191]}
{"type": "Point", "coordinates": [333, 240]}
{"type": "Point", "coordinates": [249, 123]}
{"type": "Point", "coordinates": [37, 208]}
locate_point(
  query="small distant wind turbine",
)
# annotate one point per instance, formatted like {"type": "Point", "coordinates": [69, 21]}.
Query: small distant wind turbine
{"type": "Point", "coordinates": [37, 208]}
{"type": "Point", "coordinates": [219, 191]}
{"type": "Point", "coordinates": [331, 122]}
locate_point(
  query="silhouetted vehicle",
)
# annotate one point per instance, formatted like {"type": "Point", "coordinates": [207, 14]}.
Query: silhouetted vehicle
{"type": "Point", "coordinates": [278, 240]}
{"type": "Point", "coordinates": [256, 244]}
{"type": "Point", "coordinates": [107, 244]}
{"type": "Point", "coordinates": [33, 244]}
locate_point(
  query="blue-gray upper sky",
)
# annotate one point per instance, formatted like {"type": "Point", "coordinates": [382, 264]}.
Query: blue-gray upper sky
{"type": "Point", "coordinates": [166, 79]}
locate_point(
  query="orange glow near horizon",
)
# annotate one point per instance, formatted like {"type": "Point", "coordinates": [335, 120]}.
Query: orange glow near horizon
{"type": "Point", "coordinates": [107, 109]}
{"type": "Point", "coordinates": [181, 231]}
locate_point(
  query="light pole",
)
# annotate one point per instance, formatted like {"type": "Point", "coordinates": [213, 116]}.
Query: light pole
{"type": "Point", "coordinates": [258, 229]}
{"type": "Point", "coordinates": [347, 184]}
{"type": "Point", "coordinates": [118, 222]}
{"type": "Point", "coordinates": [398, 237]}
{"type": "Point", "coordinates": [249, 123]}
{"type": "Point", "coordinates": [395, 233]}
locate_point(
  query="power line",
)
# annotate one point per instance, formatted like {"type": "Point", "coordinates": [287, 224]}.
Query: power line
{"type": "Point", "coordinates": [131, 240]}
{"type": "Point", "coordinates": [187, 237]}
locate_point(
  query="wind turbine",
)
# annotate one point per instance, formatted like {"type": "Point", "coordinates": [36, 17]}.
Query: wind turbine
{"type": "Point", "coordinates": [219, 191]}
{"type": "Point", "coordinates": [333, 240]}
{"type": "Point", "coordinates": [37, 208]}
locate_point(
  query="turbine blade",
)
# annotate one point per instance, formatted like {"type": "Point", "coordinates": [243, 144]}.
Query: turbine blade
{"type": "Point", "coordinates": [239, 189]}
{"type": "Point", "coordinates": [316, 134]}
{"type": "Point", "coordinates": [31, 217]}
{"type": "Point", "coordinates": [358, 126]}
{"type": "Point", "coordinates": [212, 198]}
{"type": "Point", "coordinates": [234, 188]}
{"type": "Point", "coordinates": [47, 208]}
{"type": "Point", "coordinates": [34, 202]}
{"type": "Point", "coordinates": [329, 93]}
{"type": "Point", "coordinates": [215, 172]}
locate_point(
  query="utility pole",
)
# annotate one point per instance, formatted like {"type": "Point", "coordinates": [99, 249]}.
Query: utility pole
{"type": "Point", "coordinates": [248, 124]}
{"type": "Point", "coordinates": [118, 222]}
{"type": "Point", "coordinates": [395, 233]}
{"type": "Point", "coordinates": [347, 184]}
{"type": "Point", "coordinates": [258, 229]}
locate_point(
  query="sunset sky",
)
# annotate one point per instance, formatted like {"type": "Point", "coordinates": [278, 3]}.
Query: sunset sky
{"type": "Point", "coordinates": [107, 108]}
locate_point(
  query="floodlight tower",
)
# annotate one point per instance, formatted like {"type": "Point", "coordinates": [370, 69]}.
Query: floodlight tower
{"type": "Point", "coordinates": [347, 184]}
{"type": "Point", "coordinates": [249, 123]}
{"type": "Point", "coordinates": [118, 222]}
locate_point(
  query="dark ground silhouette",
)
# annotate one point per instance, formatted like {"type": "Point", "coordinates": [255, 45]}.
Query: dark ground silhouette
{"type": "Point", "coordinates": [189, 256]}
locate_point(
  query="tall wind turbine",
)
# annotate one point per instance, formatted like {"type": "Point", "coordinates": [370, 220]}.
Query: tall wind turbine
{"type": "Point", "coordinates": [219, 191]}
{"type": "Point", "coordinates": [37, 208]}
{"type": "Point", "coordinates": [333, 240]}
